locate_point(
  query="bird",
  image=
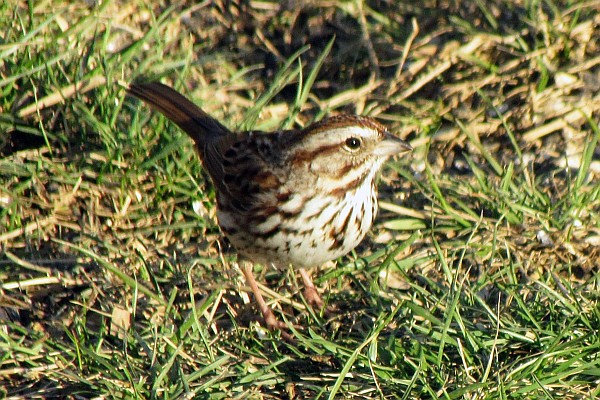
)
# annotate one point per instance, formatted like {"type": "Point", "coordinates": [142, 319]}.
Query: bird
{"type": "Point", "coordinates": [299, 197]}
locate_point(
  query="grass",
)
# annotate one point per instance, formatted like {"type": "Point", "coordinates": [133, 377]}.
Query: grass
{"type": "Point", "coordinates": [479, 279]}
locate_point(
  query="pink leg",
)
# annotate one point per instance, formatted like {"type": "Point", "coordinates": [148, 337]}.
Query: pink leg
{"type": "Point", "coordinates": [310, 291]}
{"type": "Point", "coordinates": [270, 319]}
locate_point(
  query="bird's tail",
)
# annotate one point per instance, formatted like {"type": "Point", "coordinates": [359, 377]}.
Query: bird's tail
{"type": "Point", "coordinates": [200, 126]}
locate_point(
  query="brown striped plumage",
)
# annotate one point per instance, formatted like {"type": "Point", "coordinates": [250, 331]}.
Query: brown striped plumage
{"type": "Point", "coordinates": [299, 197]}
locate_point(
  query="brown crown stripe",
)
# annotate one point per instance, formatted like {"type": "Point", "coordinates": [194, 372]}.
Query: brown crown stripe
{"type": "Point", "coordinates": [343, 121]}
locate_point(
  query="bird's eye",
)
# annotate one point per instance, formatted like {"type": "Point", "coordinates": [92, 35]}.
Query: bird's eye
{"type": "Point", "coordinates": [353, 144]}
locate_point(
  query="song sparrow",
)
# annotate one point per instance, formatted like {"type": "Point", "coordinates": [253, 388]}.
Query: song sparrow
{"type": "Point", "coordinates": [299, 197]}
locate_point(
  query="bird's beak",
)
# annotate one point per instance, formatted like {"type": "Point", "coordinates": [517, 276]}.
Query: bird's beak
{"type": "Point", "coordinates": [391, 146]}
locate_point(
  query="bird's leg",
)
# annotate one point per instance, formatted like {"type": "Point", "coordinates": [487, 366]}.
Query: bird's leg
{"type": "Point", "coordinates": [310, 291]}
{"type": "Point", "coordinates": [270, 319]}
